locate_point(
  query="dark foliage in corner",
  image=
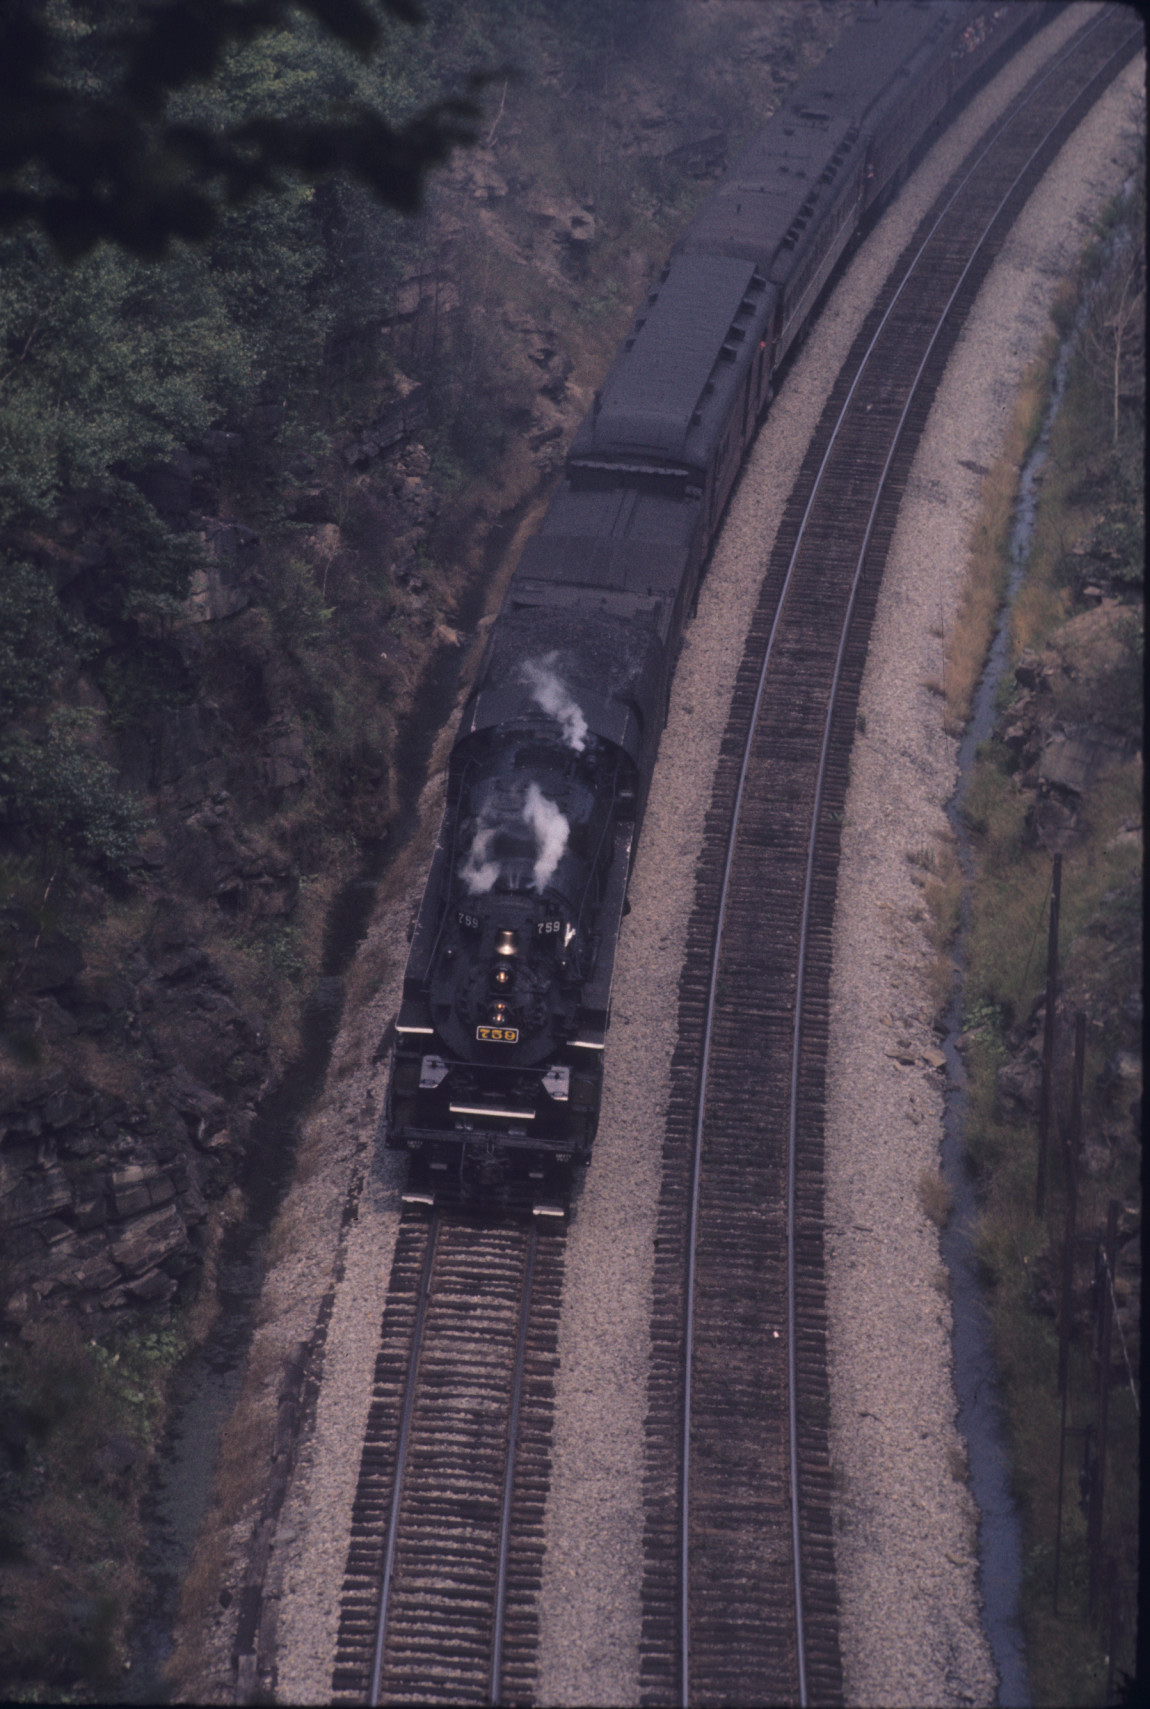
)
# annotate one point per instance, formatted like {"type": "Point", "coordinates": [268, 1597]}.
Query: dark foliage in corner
{"type": "Point", "coordinates": [95, 141]}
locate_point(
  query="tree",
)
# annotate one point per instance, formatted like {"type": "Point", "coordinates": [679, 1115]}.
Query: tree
{"type": "Point", "coordinates": [98, 141]}
{"type": "Point", "coordinates": [1113, 336]}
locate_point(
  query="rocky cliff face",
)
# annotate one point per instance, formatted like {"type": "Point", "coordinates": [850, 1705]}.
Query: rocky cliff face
{"type": "Point", "coordinates": [145, 1015]}
{"type": "Point", "coordinates": [144, 1020]}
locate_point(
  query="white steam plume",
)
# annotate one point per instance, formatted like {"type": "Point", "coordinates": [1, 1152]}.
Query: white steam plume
{"type": "Point", "coordinates": [550, 829]}
{"type": "Point", "coordinates": [550, 692]}
{"type": "Point", "coordinates": [477, 872]}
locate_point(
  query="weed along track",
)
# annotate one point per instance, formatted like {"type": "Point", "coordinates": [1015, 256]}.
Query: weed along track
{"type": "Point", "coordinates": [446, 1545]}
{"type": "Point", "coordinates": [739, 1596]}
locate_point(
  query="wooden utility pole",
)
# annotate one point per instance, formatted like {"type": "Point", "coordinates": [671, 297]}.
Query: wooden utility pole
{"type": "Point", "coordinates": [1105, 1327]}
{"type": "Point", "coordinates": [1072, 1141]}
{"type": "Point", "coordinates": [1047, 1097]}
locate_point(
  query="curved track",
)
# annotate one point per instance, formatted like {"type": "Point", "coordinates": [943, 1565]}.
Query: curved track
{"type": "Point", "coordinates": [439, 1591]}
{"type": "Point", "coordinates": [444, 1563]}
{"type": "Point", "coordinates": [739, 1591]}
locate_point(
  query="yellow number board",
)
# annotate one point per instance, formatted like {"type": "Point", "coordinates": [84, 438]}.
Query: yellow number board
{"type": "Point", "coordinates": [497, 1035]}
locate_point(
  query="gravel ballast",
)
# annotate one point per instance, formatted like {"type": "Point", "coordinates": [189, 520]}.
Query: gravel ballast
{"type": "Point", "coordinates": [906, 1523]}
{"type": "Point", "coordinates": [911, 1631]}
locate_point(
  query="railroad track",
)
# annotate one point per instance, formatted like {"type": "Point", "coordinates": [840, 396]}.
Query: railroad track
{"type": "Point", "coordinates": [445, 1557]}
{"type": "Point", "coordinates": [446, 1548]}
{"type": "Point", "coordinates": [739, 1595]}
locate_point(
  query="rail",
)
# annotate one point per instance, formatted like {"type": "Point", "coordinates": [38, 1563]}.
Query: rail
{"type": "Point", "coordinates": [952, 263]}
{"type": "Point", "coordinates": [446, 1548]}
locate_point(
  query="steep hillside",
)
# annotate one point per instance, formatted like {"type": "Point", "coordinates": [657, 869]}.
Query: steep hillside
{"type": "Point", "coordinates": [248, 495]}
{"type": "Point", "coordinates": [248, 499]}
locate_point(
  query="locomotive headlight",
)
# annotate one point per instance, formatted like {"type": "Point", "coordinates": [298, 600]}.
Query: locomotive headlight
{"type": "Point", "coordinates": [503, 975]}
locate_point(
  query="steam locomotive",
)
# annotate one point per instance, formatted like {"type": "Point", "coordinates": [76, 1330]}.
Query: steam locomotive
{"type": "Point", "coordinates": [497, 1064]}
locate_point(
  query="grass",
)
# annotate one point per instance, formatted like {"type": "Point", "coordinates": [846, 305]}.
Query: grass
{"type": "Point", "coordinates": [81, 1421]}
{"type": "Point", "coordinates": [245, 1449]}
{"type": "Point", "coordinates": [936, 871]}
{"type": "Point", "coordinates": [988, 549]}
{"type": "Point", "coordinates": [935, 1198]}
{"type": "Point", "coordinates": [1019, 1253]}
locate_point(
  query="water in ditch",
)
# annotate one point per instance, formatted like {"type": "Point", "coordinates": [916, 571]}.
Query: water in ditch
{"type": "Point", "coordinates": [980, 1414]}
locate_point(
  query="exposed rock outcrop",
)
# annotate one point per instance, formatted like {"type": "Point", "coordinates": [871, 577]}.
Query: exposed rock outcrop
{"type": "Point", "coordinates": [103, 1194]}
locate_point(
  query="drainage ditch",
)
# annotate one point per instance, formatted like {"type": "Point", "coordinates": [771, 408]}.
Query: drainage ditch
{"type": "Point", "coordinates": [981, 1418]}
{"type": "Point", "coordinates": [208, 1386]}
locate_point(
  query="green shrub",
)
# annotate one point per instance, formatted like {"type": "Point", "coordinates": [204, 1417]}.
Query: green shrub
{"type": "Point", "coordinates": [57, 792]}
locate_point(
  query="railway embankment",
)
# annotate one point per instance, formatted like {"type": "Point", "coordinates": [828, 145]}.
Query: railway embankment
{"type": "Point", "coordinates": [331, 1247]}
{"type": "Point", "coordinates": [911, 1522]}
{"type": "Point", "coordinates": [1053, 1027]}
{"type": "Point", "coordinates": [908, 1533]}
{"type": "Point", "coordinates": [515, 287]}
{"type": "Point", "coordinates": [315, 525]}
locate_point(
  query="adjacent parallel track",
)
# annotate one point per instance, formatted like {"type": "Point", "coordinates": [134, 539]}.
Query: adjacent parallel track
{"type": "Point", "coordinates": [739, 1599]}
{"type": "Point", "coordinates": [739, 1590]}
{"type": "Point", "coordinates": [446, 1548]}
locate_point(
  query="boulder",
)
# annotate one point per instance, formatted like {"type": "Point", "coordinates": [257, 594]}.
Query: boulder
{"type": "Point", "coordinates": [1020, 1085]}
{"type": "Point", "coordinates": [145, 1241]}
{"type": "Point", "coordinates": [701, 159]}
{"type": "Point", "coordinates": [1030, 671]}
{"type": "Point", "coordinates": [139, 1187]}
{"type": "Point", "coordinates": [50, 962]}
{"type": "Point", "coordinates": [1070, 758]}
{"type": "Point", "coordinates": [285, 763]}
{"type": "Point", "coordinates": [214, 593]}
{"type": "Point", "coordinates": [398, 422]}
{"type": "Point", "coordinates": [312, 504]}
{"type": "Point", "coordinates": [475, 173]}
{"type": "Point", "coordinates": [36, 1197]}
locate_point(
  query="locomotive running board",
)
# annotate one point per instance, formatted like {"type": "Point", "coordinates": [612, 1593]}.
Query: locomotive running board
{"type": "Point", "coordinates": [489, 1110]}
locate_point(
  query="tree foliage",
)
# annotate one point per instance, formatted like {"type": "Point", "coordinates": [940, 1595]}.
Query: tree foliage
{"type": "Point", "coordinates": [1114, 334]}
{"type": "Point", "coordinates": [126, 131]}
{"type": "Point", "coordinates": [112, 366]}
{"type": "Point", "coordinates": [63, 798]}
{"type": "Point", "coordinates": [99, 140]}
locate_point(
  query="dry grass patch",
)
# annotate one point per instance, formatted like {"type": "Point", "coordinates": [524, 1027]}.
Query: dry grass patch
{"type": "Point", "coordinates": [935, 869]}
{"type": "Point", "coordinates": [935, 1198]}
{"type": "Point", "coordinates": [241, 1476]}
{"type": "Point", "coordinates": [957, 1462]}
{"type": "Point", "coordinates": [988, 552]}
